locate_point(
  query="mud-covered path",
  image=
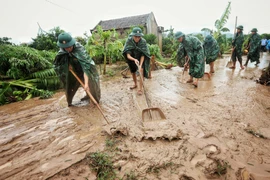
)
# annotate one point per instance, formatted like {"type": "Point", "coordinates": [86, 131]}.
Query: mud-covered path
{"type": "Point", "coordinates": [220, 121]}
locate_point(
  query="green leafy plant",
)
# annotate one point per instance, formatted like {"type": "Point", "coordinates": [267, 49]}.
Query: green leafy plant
{"type": "Point", "coordinates": [150, 38]}
{"type": "Point", "coordinates": [104, 45]}
{"type": "Point", "coordinates": [30, 73]}
{"type": "Point", "coordinates": [220, 28]}
{"type": "Point", "coordinates": [102, 164]}
{"type": "Point", "coordinates": [47, 40]}
{"type": "Point", "coordinates": [154, 50]}
{"type": "Point", "coordinates": [130, 176]}
{"type": "Point", "coordinates": [18, 90]}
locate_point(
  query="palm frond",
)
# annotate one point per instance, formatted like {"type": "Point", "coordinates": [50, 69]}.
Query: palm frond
{"type": "Point", "coordinates": [217, 24]}
{"type": "Point", "coordinates": [44, 73]}
{"type": "Point", "coordinates": [224, 29]}
{"type": "Point", "coordinates": [206, 30]}
{"type": "Point", "coordinates": [225, 16]}
{"type": "Point", "coordinates": [51, 82]}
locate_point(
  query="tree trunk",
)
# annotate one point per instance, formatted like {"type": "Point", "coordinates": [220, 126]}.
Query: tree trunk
{"type": "Point", "coordinates": [104, 64]}
{"type": "Point", "coordinates": [105, 58]}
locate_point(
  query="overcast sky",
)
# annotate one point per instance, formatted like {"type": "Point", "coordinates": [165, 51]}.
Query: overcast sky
{"type": "Point", "coordinates": [19, 18]}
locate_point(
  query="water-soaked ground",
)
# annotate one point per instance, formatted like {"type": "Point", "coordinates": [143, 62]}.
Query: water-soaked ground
{"type": "Point", "coordinates": [225, 122]}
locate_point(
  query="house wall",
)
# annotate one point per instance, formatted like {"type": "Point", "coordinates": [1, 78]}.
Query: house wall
{"type": "Point", "coordinates": [152, 28]}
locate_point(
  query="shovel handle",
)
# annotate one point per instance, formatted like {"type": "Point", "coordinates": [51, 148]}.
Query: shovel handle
{"type": "Point", "coordinates": [145, 94]}
{"type": "Point", "coordinates": [88, 92]}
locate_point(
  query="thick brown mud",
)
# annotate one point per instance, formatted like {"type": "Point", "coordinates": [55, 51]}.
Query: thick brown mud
{"type": "Point", "coordinates": [220, 130]}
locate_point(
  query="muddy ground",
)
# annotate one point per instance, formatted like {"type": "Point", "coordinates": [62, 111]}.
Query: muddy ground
{"type": "Point", "coordinates": [220, 130]}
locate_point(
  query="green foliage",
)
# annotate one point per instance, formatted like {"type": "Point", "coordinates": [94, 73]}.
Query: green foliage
{"type": "Point", "coordinates": [222, 167]}
{"type": "Point", "coordinates": [5, 40]}
{"type": "Point", "coordinates": [18, 90]}
{"type": "Point", "coordinates": [169, 44]}
{"type": "Point", "coordinates": [47, 40]}
{"type": "Point", "coordinates": [81, 40]}
{"type": "Point", "coordinates": [265, 35]}
{"type": "Point", "coordinates": [246, 39]}
{"type": "Point", "coordinates": [154, 50]}
{"type": "Point", "coordinates": [219, 25]}
{"type": "Point", "coordinates": [18, 61]}
{"type": "Point", "coordinates": [45, 79]}
{"type": "Point", "coordinates": [130, 176]}
{"type": "Point", "coordinates": [102, 164]}
{"type": "Point", "coordinates": [32, 71]}
{"type": "Point", "coordinates": [104, 45]}
{"type": "Point", "coordinates": [150, 38]}
{"type": "Point", "coordinates": [199, 36]}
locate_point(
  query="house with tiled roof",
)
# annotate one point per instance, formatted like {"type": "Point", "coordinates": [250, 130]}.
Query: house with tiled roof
{"type": "Point", "coordinates": [123, 25]}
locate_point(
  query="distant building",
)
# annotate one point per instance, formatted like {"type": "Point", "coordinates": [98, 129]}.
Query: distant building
{"type": "Point", "coordinates": [122, 25]}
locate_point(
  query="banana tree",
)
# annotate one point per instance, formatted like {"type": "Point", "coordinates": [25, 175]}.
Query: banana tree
{"type": "Point", "coordinates": [37, 84]}
{"type": "Point", "coordinates": [219, 25]}
{"type": "Point", "coordinates": [102, 44]}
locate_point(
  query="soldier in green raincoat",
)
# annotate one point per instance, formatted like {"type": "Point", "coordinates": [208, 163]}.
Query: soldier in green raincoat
{"type": "Point", "coordinates": [181, 53]}
{"type": "Point", "coordinates": [73, 55]}
{"type": "Point", "coordinates": [237, 44]}
{"type": "Point", "coordinates": [137, 54]}
{"type": "Point", "coordinates": [211, 50]}
{"type": "Point", "coordinates": [194, 55]}
{"type": "Point", "coordinates": [254, 47]}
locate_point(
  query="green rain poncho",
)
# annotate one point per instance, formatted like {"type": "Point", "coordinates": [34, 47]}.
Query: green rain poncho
{"type": "Point", "coordinates": [138, 49]}
{"type": "Point", "coordinates": [254, 49]}
{"type": "Point", "coordinates": [81, 63]}
{"type": "Point", "coordinates": [194, 49]}
{"type": "Point", "coordinates": [211, 49]}
{"type": "Point", "coordinates": [181, 53]}
{"type": "Point", "coordinates": [237, 43]}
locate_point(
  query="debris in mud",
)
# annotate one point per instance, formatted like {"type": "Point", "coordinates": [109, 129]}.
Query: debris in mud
{"type": "Point", "coordinates": [185, 177]}
{"type": "Point", "coordinates": [251, 131]}
{"type": "Point", "coordinates": [243, 174]}
{"type": "Point", "coordinates": [265, 77]}
{"type": "Point", "coordinates": [194, 100]}
{"type": "Point", "coordinates": [164, 130]}
{"type": "Point", "coordinates": [222, 167]}
{"type": "Point", "coordinates": [217, 168]}
{"type": "Point", "coordinates": [102, 164]}
{"type": "Point", "coordinates": [157, 168]}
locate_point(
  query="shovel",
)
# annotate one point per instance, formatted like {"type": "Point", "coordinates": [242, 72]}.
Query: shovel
{"type": "Point", "coordinates": [150, 113]}
{"type": "Point", "coordinates": [230, 62]}
{"type": "Point", "coordinates": [89, 94]}
{"type": "Point", "coordinates": [185, 69]}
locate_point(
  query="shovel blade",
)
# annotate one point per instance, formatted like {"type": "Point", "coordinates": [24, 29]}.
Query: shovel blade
{"type": "Point", "coordinates": [152, 114]}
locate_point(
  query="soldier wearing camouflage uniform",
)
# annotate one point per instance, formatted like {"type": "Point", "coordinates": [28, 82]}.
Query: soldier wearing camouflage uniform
{"type": "Point", "coordinates": [73, 54]}
{"type": "Point", "coordinates": [237, 44]}
{"type": "Point", "coordinates": [195, 55]}
{"type": "Point", "coordinates": [211, 50]}
{"type": "Point", "coordinates": [253, 48]}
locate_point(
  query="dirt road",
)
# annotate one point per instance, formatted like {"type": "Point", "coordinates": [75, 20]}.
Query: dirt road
{"type": "Point", "coordinates": [220, 130]}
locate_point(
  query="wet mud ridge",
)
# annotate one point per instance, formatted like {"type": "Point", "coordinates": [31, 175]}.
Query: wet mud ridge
{"type": "Point", "coordinates": [220, 130]}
